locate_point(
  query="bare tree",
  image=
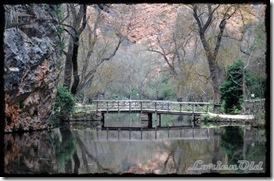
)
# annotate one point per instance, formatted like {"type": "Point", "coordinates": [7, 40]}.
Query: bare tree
{"type": "Point", "coordinates": [95, 56]}
{"type": "Point", "coordinates": [173, 51]}
{"type": "Point", "coordinates": [200, 16]}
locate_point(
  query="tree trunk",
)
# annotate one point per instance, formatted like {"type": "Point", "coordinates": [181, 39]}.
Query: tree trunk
{"type": "Point", "coordinates": [71, 59]}
{"type": "Point", "coordinates": [216, 73]}
{"type": "Point", "coordinates": [75, 66]}
{"type": "Point", "coordinates": [214, 70]}
{"type": "Point", "coordinates": [68, 64]}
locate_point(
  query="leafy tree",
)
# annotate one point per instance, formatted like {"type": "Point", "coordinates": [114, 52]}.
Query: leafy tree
{"type": "Point", "coordinates": [231, 90]}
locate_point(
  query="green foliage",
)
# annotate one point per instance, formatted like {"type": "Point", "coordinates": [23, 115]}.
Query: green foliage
{"type": "Point", "coordinates": [168, 92]}
{"type": "Point", "coordinates": [231, 90]}
{"type": "Point", "coordinates": [255, 84]}
{"type": "Point", "coordinates": [162, 88]}
{"type": "Point", "coordinates": [134, 94]}
{"type": "Point", "coordinates": [64, 102]}
{"type": "Point", "coordinates": [167, 120]}
{"type": "Point", "coordinates": [232, 143]}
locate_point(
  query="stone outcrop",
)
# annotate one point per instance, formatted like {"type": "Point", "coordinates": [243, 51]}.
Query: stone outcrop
{"type": "Point", "coordinates": [31, 53]}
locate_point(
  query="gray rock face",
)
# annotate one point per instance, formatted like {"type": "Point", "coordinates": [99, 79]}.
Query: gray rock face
{"type": "Point", "coordinates": [31, 53]}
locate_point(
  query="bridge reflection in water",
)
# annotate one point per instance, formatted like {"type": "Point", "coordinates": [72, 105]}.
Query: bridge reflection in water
{"type": "Point", "coordinates": [122, 134]}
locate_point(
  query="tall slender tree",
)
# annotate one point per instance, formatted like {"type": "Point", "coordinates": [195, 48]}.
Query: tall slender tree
{"type": "Point", "coordinates": [204, 19]}
{"type": "Point", "coordinates": [79, 21]}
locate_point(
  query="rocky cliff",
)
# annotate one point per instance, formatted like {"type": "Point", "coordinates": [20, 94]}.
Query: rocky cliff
{"type": "Point", "coordinates": [31, 53]}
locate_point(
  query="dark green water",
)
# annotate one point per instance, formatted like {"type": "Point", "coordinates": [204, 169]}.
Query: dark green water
{"type": "Point", "coordinates": [77, 149]}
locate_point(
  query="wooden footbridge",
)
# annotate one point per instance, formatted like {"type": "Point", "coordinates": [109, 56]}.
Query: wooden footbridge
{"type": "Point", "coordinates": [149, 107]}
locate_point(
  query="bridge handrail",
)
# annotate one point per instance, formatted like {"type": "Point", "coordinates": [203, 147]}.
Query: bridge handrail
{"type": "Point", "coordinates": [157, 101]}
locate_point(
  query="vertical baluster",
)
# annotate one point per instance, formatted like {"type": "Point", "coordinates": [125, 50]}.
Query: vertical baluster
{"type": "Point", "coordinates": [107, 106]}
{"type": "Point", "coordinates": [118, 107]}
{"type": "Point", "coordinates": [129, 133]}
{"type": "Point", "coordinates": [168, 131]}
{"type": "Point", "coordinates": [96, 106]}
{"type": "Point", "coordinates": [180, 107]}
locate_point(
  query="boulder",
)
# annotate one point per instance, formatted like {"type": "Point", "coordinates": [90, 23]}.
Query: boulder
{"type": "Point", "coordinates": [30, 74]}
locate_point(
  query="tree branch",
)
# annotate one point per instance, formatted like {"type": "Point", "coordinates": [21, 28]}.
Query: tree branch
{"type": "Point", "coordinates": [114, 52]}
{"type": "Point", "coordinates": [83, 14]}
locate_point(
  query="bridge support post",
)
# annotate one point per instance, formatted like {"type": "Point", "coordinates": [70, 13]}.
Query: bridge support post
{"type": "Point", "coordinates": [149, 120]}
{"type": "Point", "coordinates": [193, 115]}
{"type": "Point", "coordinates": [141, 133]}
{"type": "Point", "coordinates": [103, 120]}
{"type": "Point", "coordinates": [155, 133]}
{"type": "Point", "coordinates": [159, 118]}
{"type": "Point", "coordinates": [118, 133]}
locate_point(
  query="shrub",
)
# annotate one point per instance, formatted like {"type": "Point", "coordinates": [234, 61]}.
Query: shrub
{"type": "Point", "coordinates": [64, 103]}
{"type": "Point", "coordinates": [255, 84]}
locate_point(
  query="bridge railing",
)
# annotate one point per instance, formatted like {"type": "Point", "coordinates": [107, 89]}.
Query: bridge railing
{"type": "Point", "coordinates": [140, 105]}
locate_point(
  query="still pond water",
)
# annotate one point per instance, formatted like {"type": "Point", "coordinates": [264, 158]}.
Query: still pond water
{"type": "Point", "coordinates": [80, 148]}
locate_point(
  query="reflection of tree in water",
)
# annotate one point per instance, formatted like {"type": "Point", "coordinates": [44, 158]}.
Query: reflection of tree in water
{"type": "Point", "coordinates": [66, 151]}
{"type": "Point", "coordinates": [183, 154]}
{"type": "Point", "coordinates": [232, 143]}
{"type": "Point", "coordinates": [176, 157]}
{"type": "Point", "coordinates": [85, 154]}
